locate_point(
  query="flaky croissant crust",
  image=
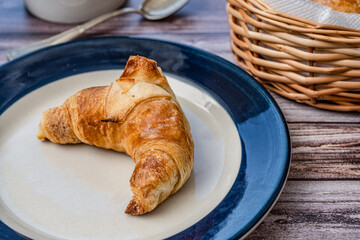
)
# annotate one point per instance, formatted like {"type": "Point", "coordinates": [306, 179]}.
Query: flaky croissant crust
{"type": "Point", "coordinates": [137, 114]}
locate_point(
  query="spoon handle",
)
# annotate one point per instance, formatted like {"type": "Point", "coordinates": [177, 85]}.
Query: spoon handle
{"type": "Point", "coordinates": [67, 35]}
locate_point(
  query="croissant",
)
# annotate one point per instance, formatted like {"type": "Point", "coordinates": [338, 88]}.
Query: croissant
{"type": "Point", "coordinates": [137, 114]}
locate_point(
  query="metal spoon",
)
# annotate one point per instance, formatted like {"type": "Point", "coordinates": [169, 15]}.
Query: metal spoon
{"type": "Point", "coordinates": [149, 9]}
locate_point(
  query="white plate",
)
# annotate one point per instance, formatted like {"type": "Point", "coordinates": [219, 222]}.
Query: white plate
{"type": "Point", "coordinates": [52, 191]}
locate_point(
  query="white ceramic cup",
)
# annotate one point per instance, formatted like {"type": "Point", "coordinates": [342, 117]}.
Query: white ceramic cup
{"type": "Point", "coordinates": [71, 11]}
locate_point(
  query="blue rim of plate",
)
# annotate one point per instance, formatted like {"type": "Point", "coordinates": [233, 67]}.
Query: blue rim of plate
{"type": "Point", "coordinates": [266, 148]}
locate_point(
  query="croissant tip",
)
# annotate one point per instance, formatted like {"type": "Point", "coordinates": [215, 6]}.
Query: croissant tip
{"type": "Point", "coordinates": [40, 135]}
{"type": "Point", "coordinates": [138, 57]}
{"type": "Point", "coordinates": [134, 208]}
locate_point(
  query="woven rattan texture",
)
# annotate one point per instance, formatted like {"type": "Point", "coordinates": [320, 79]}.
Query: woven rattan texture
{"type": "Point", "coordinates": [297, 58]}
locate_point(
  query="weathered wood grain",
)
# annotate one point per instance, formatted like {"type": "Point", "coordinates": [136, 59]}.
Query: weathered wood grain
{"type": "Point", "coordinates": [325, 150]}
{"type": "Point", "coordinates": [314, 210]}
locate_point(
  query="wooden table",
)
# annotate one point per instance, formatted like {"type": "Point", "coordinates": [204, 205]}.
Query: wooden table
{"type": "Point", "coordinates": [321, 199]}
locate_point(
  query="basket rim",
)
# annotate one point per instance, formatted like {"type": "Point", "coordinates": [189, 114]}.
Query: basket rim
{"type": "Point", "coordinates": [270, 10]}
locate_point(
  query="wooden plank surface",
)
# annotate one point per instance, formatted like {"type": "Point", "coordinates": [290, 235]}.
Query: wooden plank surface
{"type": "Point", "coordinates": [325, 151]}
{"type": "Point", "coordinates": [314, 210]}
{"type": "Point", "coordinates": [321, 199]}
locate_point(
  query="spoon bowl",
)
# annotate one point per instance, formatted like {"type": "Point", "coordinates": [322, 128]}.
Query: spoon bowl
{"type": "Point", "coordinates": [160, 9]}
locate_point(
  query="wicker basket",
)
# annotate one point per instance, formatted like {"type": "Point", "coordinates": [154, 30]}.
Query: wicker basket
{"type": "Point", "coordinates": [297, 58]}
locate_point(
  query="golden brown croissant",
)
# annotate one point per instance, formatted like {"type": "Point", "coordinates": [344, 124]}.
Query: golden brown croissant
{"type": "Point", "coordinates": [137, 114]}
{"type": "Point", "coordinates": [348, 6]}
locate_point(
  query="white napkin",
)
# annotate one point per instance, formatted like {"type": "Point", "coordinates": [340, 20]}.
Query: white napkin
{"type": "Point", "coordinates": [316, 12]}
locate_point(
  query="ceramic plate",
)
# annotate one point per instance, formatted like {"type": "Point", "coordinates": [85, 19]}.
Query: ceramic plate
{"type": "Point", "coordinates": [51, 191]}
